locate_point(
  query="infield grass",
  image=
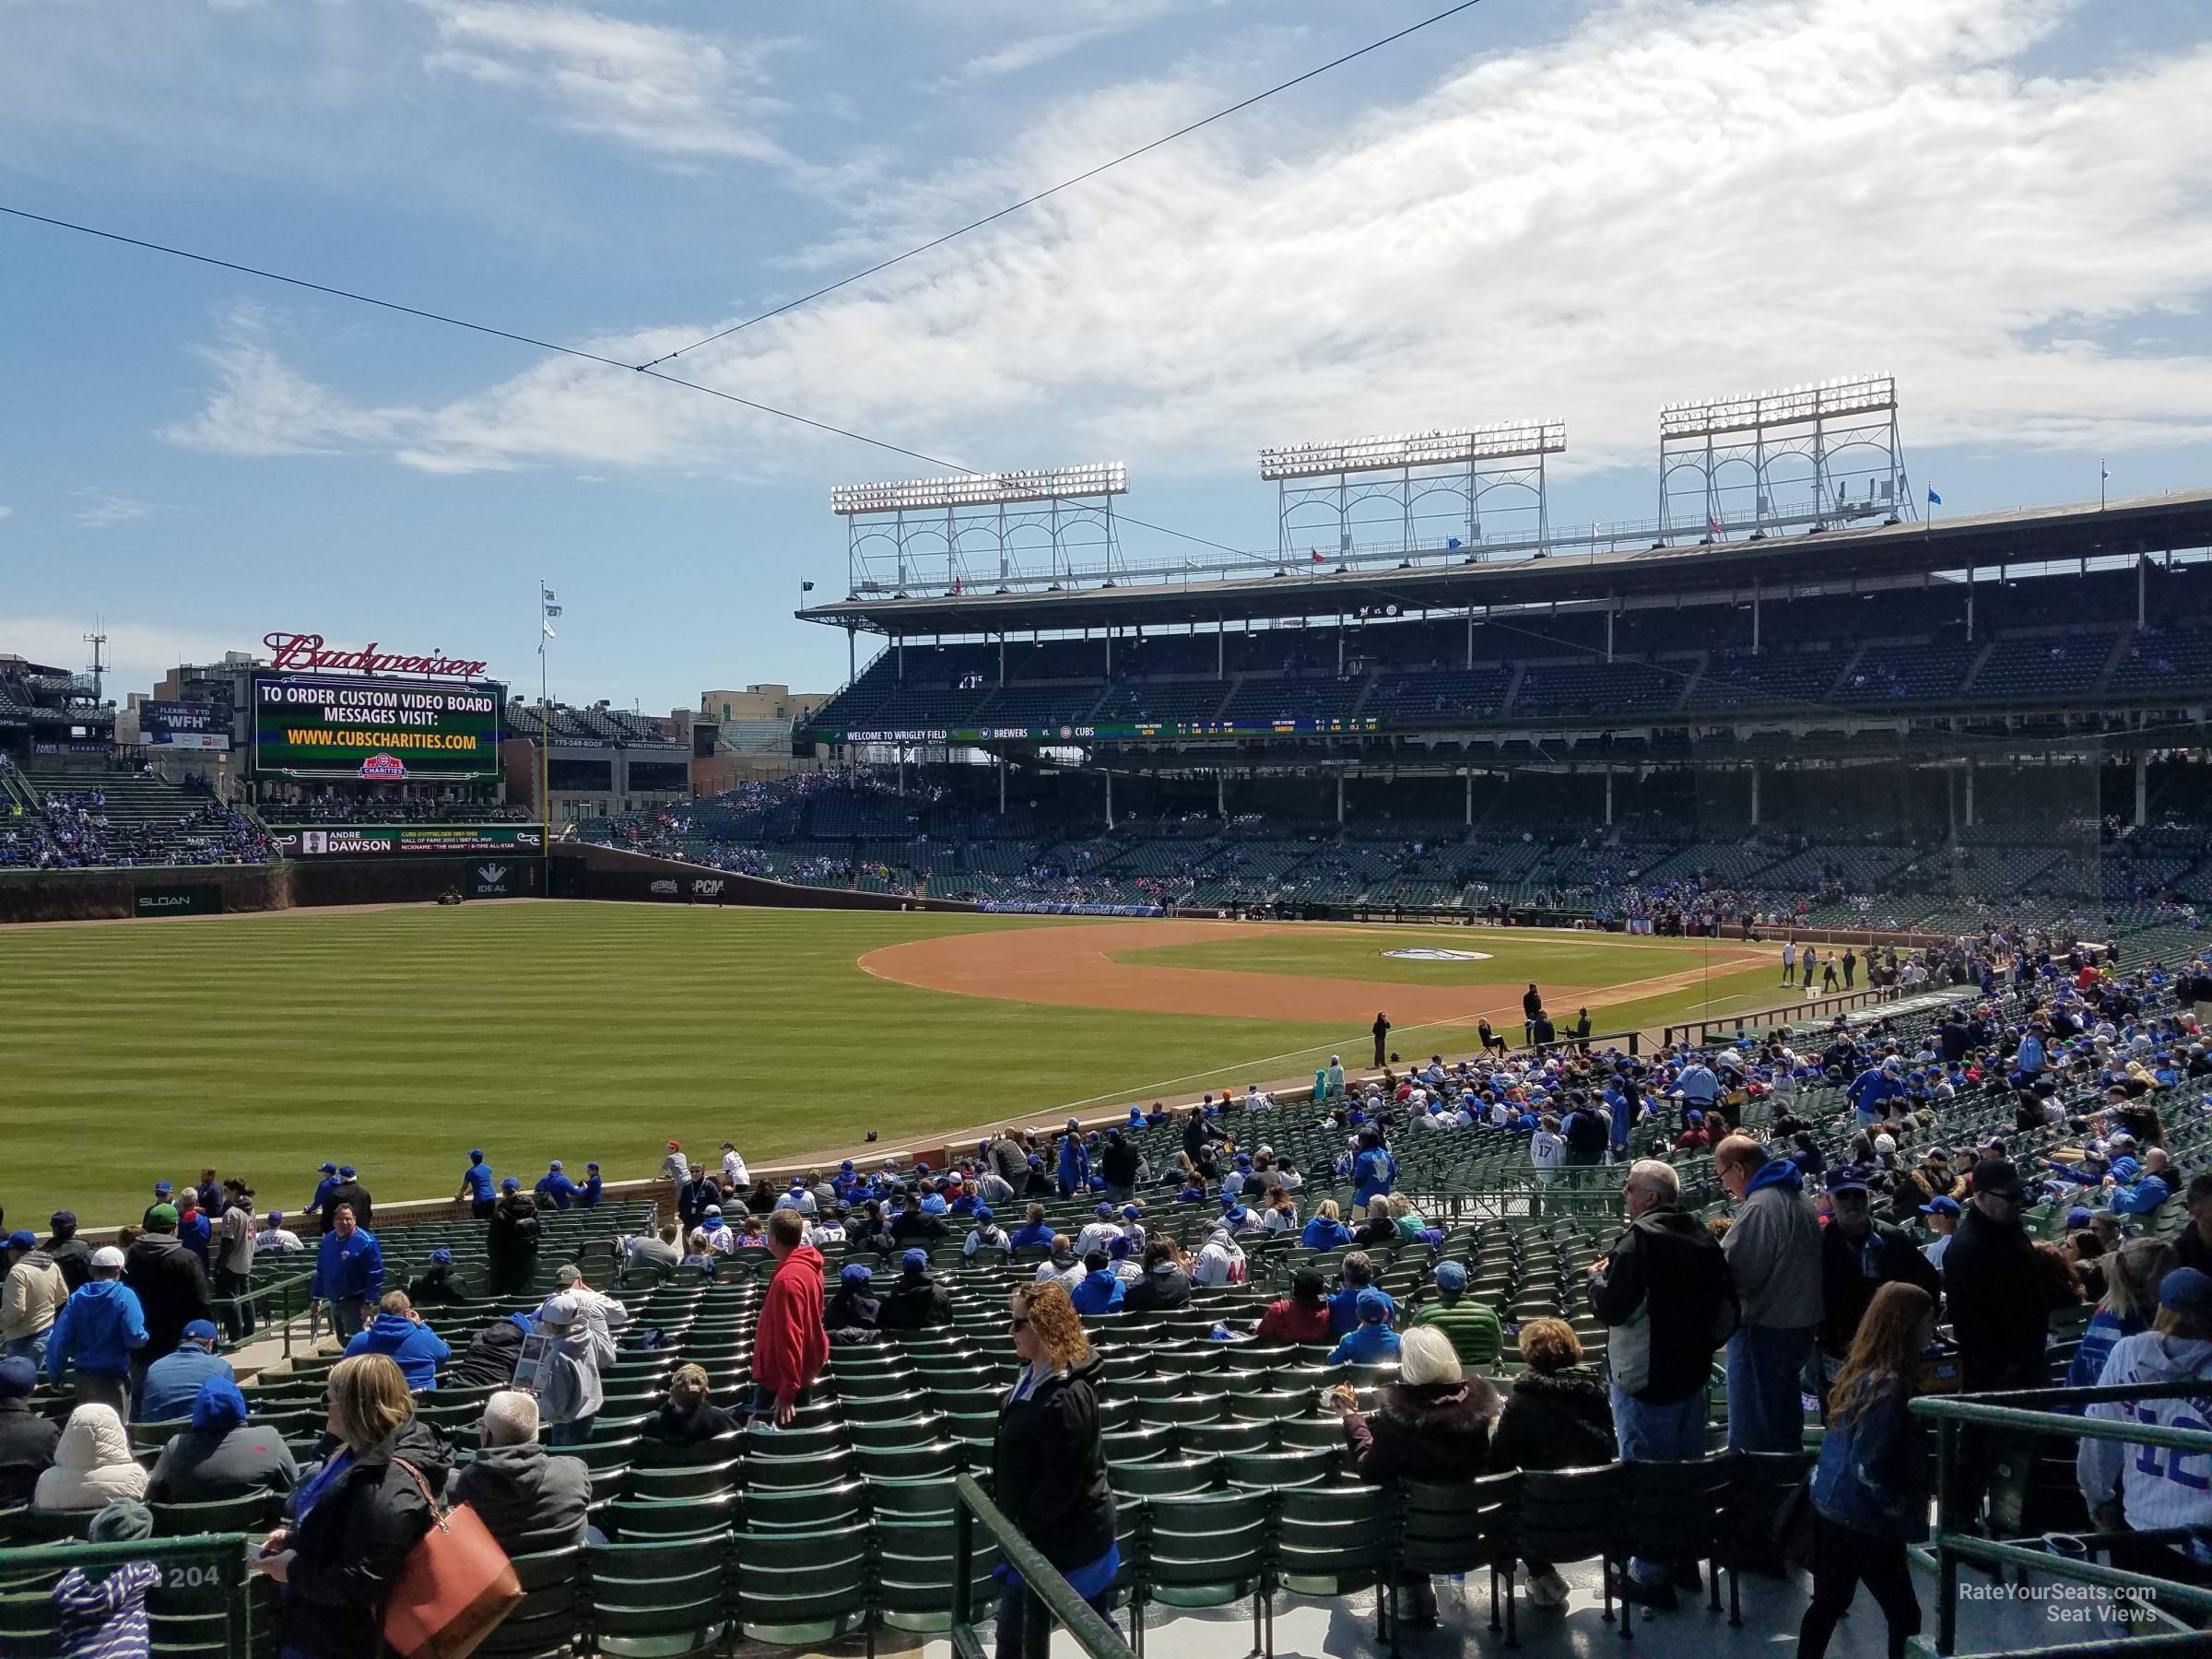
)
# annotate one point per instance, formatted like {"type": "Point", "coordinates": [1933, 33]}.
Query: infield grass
{"type": "Point", "coordinates": [397, 1039]}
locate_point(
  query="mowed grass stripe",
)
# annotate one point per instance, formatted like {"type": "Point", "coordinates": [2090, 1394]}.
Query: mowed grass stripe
{"type": "Point", "coordinates": [399, 1039]}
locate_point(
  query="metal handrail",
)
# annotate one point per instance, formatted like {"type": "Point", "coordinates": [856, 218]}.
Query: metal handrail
{"type": "Point", "coordinates": [1093, 1634]}
{"type": "Point", "coordinates": [226, 1552]}
{"type": "Point", "coordinates": [1953, 1543]}
{"type": "Point", "coordinates": [258, 1298]}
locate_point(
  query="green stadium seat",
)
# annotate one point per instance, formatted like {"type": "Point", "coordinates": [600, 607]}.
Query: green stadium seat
{"type": "Point", "coordinates": [802, 1589]}
{"type": "Point", "coordinates": [1206, 1552]}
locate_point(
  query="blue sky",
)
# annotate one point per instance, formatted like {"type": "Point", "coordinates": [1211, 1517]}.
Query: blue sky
{"type": "Point", "coordinates": [1569, 210]}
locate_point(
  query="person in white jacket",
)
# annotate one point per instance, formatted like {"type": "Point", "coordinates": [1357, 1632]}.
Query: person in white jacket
{"type": "Point", "coordinates": [602, 1312]}
{"type": "Point", "coordinates": [567, 1384]}
{"type": "Point", "coordinates": [92, 1465]}
{"type": "Point", "coordinates": [2155, 1487]}
{"type": "Point", "coordinates": [1221, 1260]}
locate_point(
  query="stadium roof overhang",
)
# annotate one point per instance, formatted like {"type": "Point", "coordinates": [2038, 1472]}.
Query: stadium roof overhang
{"type": "Point", "coordinates": [2141, 524]}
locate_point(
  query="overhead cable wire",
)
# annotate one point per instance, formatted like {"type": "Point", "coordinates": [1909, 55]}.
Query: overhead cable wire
{"type": "Point", "coordinates": [1069, 183]}
{"type": "Point", "coordinates": [448, 320]}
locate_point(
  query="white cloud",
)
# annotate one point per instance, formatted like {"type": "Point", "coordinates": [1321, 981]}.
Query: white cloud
{"type": "Point", "coordinates": [6, 512]}
{"type": "Point", "coordinates": [103, 509]}
{"type": "Point", "coordinates": [1670, 200]}
{"type": "Point", "coordinates": [672, 92]}
{"type": "Point", "coordinates": [1068, 27]}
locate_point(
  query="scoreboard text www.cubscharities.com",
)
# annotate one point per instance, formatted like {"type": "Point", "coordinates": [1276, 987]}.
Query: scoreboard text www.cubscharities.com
{"type": "Point", "coordinates": [380, 731]}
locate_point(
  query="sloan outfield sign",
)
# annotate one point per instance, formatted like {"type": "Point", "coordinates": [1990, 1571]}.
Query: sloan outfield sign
{"type": "Point", "coordinates": [408, 840]}
{"type": "Point", "coordinates": [313, 725]}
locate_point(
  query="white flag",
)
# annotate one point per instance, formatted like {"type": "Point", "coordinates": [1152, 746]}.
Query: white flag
{"type": "Point", "coordinates": [548, 628]}
{"type": "Point", "coordinates": [552, 610]}
{"type": "Point", "coordinates": [548, 592]}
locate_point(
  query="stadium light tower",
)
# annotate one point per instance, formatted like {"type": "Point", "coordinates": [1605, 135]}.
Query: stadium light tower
{"type": "Point", "coordinates": [1424, 489]}
{"type": "Point", "coordinates": [1061, 516]}
{"type": "Point", "coordinates": [1796, 456]}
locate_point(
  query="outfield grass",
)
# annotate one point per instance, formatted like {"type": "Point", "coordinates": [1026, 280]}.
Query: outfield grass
{"type": "Point", "coordinates": [397, 1039]}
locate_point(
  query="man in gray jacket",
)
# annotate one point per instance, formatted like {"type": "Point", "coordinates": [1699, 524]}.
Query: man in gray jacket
{"type": "Point", "coordinates": [1773, 1250]}
{"type": "Point", "coordinates": [528, 1498]}
{"type": "Point", "coordinates": [234, 1262]}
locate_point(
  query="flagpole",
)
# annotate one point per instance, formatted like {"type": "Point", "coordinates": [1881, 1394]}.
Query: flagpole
{"type": "Point", "coordinates": [545, 743]}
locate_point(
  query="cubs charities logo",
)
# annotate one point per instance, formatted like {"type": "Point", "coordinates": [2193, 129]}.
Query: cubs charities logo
{"type": "Point", "coordinates": [384, 766]}
{"type": "Point", "coordinates": [1430, 953]}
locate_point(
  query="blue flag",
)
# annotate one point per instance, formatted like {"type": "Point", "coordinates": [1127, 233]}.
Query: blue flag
{"type": "Point", "coordinates": [1934, 500]}
{"type": "Point", "coordinates": [1451, 541]}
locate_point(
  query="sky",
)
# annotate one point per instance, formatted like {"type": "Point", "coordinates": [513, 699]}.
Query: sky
{"type": "Point", "coordinates": [1574, 211]}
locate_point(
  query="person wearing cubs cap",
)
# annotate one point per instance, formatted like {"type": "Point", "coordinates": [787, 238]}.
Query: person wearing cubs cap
{"type": "Point", "coordinates": [1943, 1215]}
{"type": "Point", "coordinates": [27, 1438]}
{"type": "Point", "coordinates": [477, 1189]}
{"type": "Point", "coordinates": [1858, 1255]}
{"type": "Point", "coordinates": [1472, 1324]}
{"type": "Point", "coordinates": [2150, 1489]}
{"type": "Point", "coordinates": [172, 1381]}
{"type": "Point", "coordinates": [31, 1296]}
{"type": "Point", "coordinates": [511, 1240]}
{"type": "Point", "coordinates": [1999, 1312]}
{"type": "Point", "coordinates": [916, 1301]}
{"type": "Point", "coordinates": [328, 1173]}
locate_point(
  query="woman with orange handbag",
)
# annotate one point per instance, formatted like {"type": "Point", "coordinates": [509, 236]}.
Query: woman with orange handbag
{"type": "Point", "coordinates": [357, 1517]}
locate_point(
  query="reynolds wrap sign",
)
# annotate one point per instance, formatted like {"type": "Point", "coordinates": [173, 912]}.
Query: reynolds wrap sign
{"type": "Point", "coordinates": [408, 840]}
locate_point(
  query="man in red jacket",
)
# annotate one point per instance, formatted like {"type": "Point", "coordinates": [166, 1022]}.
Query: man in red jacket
{"type": "Point", "coordinates": [790, 1347]}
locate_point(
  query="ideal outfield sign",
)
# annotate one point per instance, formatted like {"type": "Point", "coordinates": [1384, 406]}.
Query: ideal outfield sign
{"type": "Point", "coordinates": [409, 841]}
{"type": "Point", "coordinates": [384, 730]}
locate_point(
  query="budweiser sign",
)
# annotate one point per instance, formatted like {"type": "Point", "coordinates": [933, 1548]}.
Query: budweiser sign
{"type": "Point", "coordinates": [307, 651]}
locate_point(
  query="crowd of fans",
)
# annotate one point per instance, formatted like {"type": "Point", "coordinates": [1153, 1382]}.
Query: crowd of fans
{"type": "Point", "coordinates": [74, 832]}
{"type": "Point", "coordinates": [1851, 1227]}
{"type": "Point", "coordinates": [296, 804]}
